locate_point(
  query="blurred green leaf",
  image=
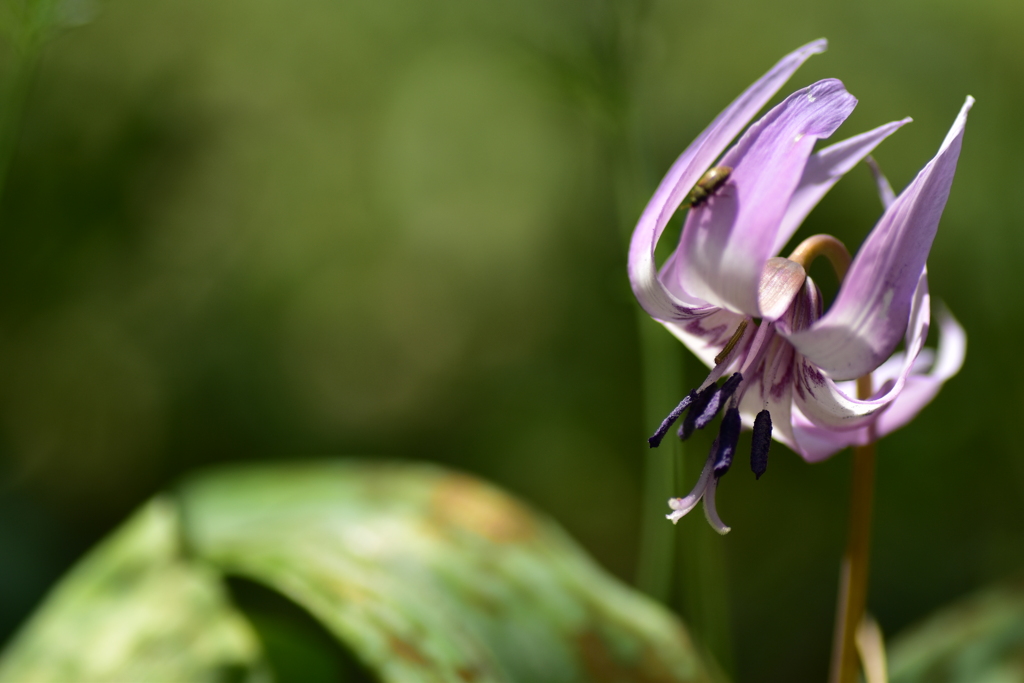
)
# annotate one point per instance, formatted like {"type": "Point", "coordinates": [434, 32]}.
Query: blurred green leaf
{"type": "Point", "coordinates": [424, 574]}
{"type": "Point", "coordinates": [430, 575]}
{"type": "Point", "coordinates": [978, 640]}
{"type": "Point", "coordinates": [135, 610]}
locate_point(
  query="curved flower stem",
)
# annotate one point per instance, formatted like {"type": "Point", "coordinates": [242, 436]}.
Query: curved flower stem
{"type": "Point", "coordinates": [853, 578]}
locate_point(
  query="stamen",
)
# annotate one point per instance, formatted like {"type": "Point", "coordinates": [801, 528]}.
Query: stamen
{"type": "Point", "coordinates": [728, 436]}
{"type": "Point", "coordinates": [718, 400]}
{"type": "Point", "coordinates": [760, 443]}
{"type": "Point", "coordinates": [823, 245]}
{"type": "Point", "coordinates": [666, 424]}
{"type": "Point", "coordinates": [733, 340]}
{"type": "Point", "coordinates": [696, 410]}
{"type": "Point", "coordinates": [711, 512]}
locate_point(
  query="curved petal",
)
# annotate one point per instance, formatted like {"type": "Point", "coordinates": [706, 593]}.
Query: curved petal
{"type": "Point", "coordinates": [685, 172]}
{"type": "Point", "coordinates": [870, 313]}
{"type": "Point", "coordinates": [816, 443]}
{"type": "Point", "coordinates": [825, 404]}
{"type": "Point", "coordinates": [727, 240]}
{"type": "Point", "coordinates": [823, 170]}
{"type": "Point", "coordinates": [922, 388]}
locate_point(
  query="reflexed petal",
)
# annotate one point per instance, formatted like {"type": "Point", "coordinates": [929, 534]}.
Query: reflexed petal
{"type": "Point", "coordinates": [685, 172]}
{"type": "Point", "coordinates": [825, 403]}
{"type": "Point", "coordinates": [816, 443]}
{"type": "Point", "coordinates": [869, 315]}
{"type": "Point", "coordinates": [823, 170]}
{"type": "Point", "coordinates": [921, 388]}
{"type": "Point", "coordinates": [727, 240]}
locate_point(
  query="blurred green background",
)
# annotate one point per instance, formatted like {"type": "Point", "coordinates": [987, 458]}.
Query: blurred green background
{"type": "Point", "coordinates": [267, 230]}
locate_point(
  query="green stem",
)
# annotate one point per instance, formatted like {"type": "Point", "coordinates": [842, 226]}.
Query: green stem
{"type": "Point", "coordinates": [853, 580]}
{"type": "Point", "coordinates": [702, 579]}
{"type": "Point", "coordinates": [25, 41]}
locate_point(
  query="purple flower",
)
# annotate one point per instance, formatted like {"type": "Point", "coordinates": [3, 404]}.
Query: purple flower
{"type": "Point", "coordinates": [756, 318]}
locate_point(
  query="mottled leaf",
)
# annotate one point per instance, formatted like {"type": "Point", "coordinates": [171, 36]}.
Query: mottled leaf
{"type": "Point", "coordinates": [429, 575]}
{"type": "Point", "coordinates": [978, 640]}
{"type": "Point", "coordinates": [135, 610]}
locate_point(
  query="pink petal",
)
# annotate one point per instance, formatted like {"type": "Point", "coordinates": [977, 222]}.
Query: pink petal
{"type": "Point", "coordinates": [707, 336]}
{"type": "Point", "coordinates": [829, 405]}
{"type": "Point", "coordinates": [870, 313]}
{"type": "Point", "coordinates": [816, 443]}
{"type": "Point", "coordinates": [685, 172]}
{"type": "Point", "coordinates": [727, 240]}
{"type": "Point", "coordinates": [823, 170]}
{"type": "Point", "coordinates": [921, 388]}
{"type": "Point", "coordinates": [771, 387]}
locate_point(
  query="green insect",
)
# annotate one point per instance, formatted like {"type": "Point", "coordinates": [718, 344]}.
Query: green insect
{"type": "Point", "coordinates": [707, 185]}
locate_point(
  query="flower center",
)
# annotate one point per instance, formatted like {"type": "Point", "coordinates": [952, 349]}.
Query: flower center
{"type": "Point", "coordinates": [784, 290]}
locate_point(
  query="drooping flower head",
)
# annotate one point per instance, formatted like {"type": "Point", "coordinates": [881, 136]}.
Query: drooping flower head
{"type": "Point", "coordinates": [755, 318]}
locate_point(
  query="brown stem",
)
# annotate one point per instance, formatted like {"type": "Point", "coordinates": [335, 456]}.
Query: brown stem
{"type": "Point", "coordinates": [853, 578]}
{"type": "Point", "coordinates": [823, 245]}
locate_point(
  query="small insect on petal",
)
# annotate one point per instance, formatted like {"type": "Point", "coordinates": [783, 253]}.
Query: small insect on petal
{"type": "Point", "coordinates": [708, 185]}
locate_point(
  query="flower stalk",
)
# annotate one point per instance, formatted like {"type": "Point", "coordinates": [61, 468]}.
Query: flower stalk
{"type": "Point", "coordinates": [853, 578]}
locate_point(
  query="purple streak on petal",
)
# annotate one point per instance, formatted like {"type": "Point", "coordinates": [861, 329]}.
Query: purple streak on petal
{"type": "Point", "coordinates": [826, 404]}
{"type": "Point", "coordinates": [685, 172]}
{"type": "Point", "coordinates": [870, 313]}
{"type": "Point", "coordinates": [771, 388]}
{"type": "Point", "coordinates": [885, 193]}
{"type": "Point", "coordinates": [823, 170]}
{"type": "Point", "coordinates": [728, 239]}
{"type": "Point", "coordinates": [706, 337]}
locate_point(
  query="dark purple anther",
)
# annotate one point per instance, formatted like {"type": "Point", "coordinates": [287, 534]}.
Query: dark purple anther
{"type": "Point", "coordinates": [719, 399]}
{"type": "Point", "coordinates": [666, 424]}
{"type": "Point", "coordinates": [761, 442]}
{"type": "Point", "coordinates": [700, 404]}
{"type": "Point", "coordinates": [728, 436]}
